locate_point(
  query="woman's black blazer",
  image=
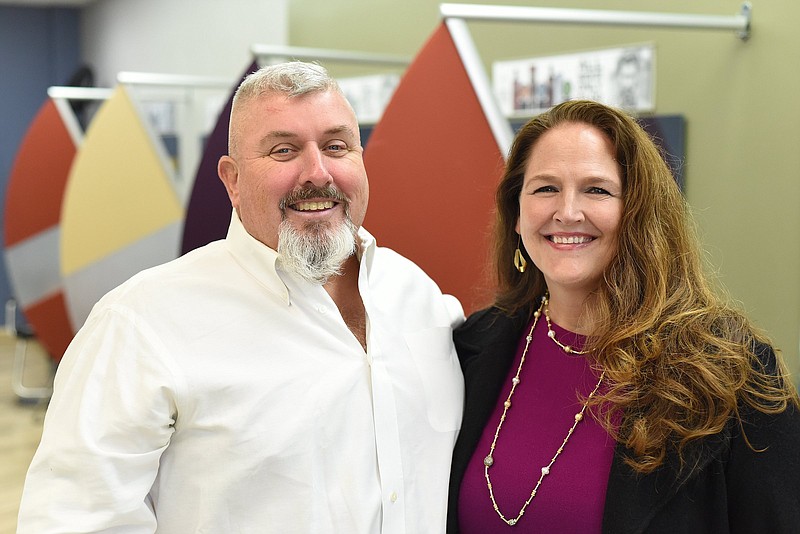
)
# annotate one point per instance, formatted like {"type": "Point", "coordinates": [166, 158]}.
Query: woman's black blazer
{"type": "Point", "coordinates": [729, 487]}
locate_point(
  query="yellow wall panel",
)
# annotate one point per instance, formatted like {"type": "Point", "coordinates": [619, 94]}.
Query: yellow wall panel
{"type": "Point", "coordinates": [118, 189]}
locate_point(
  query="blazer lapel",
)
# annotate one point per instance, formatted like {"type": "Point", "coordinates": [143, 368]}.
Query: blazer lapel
{"type": "Point", "coordinates": [486, 349]}
{"type": "Point", "coordinates": [485, 370]}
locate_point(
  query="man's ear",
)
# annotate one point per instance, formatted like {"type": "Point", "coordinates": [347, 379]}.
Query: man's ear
{"type": "Point", "coordinates": [228, 172]}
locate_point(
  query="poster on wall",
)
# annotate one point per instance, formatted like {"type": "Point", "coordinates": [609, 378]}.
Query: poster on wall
{"type": "Point", "coordinates": [369, 95]}
{"type": "Point", "coordinates": [623, 77]}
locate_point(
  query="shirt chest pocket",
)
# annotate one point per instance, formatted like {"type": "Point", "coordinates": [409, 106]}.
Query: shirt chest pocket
{"type": "Point", "coordinates": [436, 361]}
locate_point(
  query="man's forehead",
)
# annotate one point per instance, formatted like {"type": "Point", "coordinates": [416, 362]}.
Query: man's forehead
{"type": "Point", "coordinates": [281, 100]}
{"type": "Point", "coordinates": [274, 104]}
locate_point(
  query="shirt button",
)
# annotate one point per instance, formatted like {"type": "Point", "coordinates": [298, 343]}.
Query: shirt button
{"type": "Point", "coordinates": [322, 309]}
{"type": "Point", "coordinates": [393, 497]}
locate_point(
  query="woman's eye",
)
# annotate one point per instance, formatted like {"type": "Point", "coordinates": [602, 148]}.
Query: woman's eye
{"type": "Point", "coordinates": [598, 191]}
{"type": "Point", "coordinates": [545, 189]}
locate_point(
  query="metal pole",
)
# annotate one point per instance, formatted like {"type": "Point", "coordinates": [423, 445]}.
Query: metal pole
{"type": "Point", "coordinates": [740, 22]}
{"type": "Point", "coordinates": [344, 56]}
{"type": "Point", "coordinates": [176, 80]}
{"type": "Point", "coordinates": [79, 93]}
{"type": "Point", "coordinates": [498, 124]}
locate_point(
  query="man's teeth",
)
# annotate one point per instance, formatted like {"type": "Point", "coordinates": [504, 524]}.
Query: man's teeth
{"type": "Point", "coordinates": [313, 206]}
{"type": "Point", "coordinates": [570, 240]}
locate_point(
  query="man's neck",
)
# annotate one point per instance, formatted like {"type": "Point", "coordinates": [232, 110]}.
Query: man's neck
{"type": "Point", "coordinates": [343, 289]}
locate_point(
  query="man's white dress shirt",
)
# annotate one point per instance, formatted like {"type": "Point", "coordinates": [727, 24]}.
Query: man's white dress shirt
{"type": "Point", "coordinates": [219, 394]}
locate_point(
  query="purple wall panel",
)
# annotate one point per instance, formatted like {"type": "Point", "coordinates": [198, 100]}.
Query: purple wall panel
{"type": "Point", "coordinates": [209, 210]}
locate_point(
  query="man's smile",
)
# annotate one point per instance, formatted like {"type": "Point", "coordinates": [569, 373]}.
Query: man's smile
{"type": "Point", "coordinates": [313, 205]}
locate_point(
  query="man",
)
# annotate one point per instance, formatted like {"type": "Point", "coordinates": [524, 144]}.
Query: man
{"type": "Point", "coordinates": [293, 377]}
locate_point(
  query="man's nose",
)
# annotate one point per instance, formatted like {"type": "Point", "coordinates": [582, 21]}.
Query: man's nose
{"type": "Point", "coordinates": [315, 170]}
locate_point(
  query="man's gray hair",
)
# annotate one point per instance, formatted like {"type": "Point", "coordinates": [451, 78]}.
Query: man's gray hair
{"type": "Point", "coordinates": [294, 78]}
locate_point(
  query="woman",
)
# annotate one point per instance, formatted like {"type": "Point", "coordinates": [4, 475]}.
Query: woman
{"type": "Point", "coordinates": [608, 389]}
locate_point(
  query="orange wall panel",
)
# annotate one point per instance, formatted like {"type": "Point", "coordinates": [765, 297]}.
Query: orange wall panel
{"type": "Point", "coordinates": [433, 165]}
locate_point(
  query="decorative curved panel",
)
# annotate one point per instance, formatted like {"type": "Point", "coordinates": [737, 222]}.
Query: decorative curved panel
{"type": "Point", "coordinates": [433, 165]}
{"type": "Point", "coordinates": [121, 213]}
{"type": "Point", "coordinates": [209, 210]}
{"type": "Point", "coordinates": [32, 226]}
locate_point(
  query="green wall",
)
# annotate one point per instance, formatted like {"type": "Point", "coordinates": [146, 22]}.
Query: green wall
{"type": "Point", "coordinates": [738, 98]}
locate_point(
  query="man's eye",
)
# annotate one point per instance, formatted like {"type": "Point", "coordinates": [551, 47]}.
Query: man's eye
{"type": "Point", "coordinates": [281, 153]}
{"type": "Point", "coordinates": [336, 148]}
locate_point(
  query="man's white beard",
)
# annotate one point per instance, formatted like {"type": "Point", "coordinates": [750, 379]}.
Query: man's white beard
{"type": "Point", "coordinates": [318, 251]}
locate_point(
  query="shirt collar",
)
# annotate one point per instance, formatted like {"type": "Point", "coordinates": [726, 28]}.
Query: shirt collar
{"type": "Point", "coordinates": [259, 260]}
{"type": "Point", "coordinates": [256, 258]}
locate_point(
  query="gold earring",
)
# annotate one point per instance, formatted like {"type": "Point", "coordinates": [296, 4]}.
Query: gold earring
{"type": "Point", "coordinates": [519, 259]}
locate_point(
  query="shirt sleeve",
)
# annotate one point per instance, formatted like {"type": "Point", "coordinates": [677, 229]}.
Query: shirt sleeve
{"type": "Point", "coordinates": [109, 420]}
{"type": "Point", "coordinates": [454, 310]}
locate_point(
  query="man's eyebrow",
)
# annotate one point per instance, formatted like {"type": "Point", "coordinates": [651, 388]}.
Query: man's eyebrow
{"type": "Point", "coordinates": [281, 134]}
{"type": "Point", "coordinates": [344, 128]}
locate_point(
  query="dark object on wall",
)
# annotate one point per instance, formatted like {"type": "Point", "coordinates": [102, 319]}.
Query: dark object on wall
{"type": "Point", "coordinates": [82, 77]}
{"type": "Point", "coordinates": [669, 134]}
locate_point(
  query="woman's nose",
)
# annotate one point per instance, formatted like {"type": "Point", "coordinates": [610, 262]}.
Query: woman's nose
{"type": "Point", "coordinates": [569, 209]}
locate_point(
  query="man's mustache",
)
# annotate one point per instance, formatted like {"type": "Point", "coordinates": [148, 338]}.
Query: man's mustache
{"type": "Point", "coordinates": [328, 192]}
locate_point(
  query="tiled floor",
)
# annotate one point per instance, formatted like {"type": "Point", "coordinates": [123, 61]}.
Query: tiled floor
{"type": "Point", "coordinates": [20, 426]}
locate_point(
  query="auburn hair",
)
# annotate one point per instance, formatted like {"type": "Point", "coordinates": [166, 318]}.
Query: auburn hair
{"type": "Point", "coordinates": [678, 358]}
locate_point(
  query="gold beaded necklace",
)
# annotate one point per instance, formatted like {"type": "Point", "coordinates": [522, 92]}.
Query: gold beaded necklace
{"type": "Point", "coordinates": [552, 334]}
{"type": "Point", "coordinates": [489, 460]}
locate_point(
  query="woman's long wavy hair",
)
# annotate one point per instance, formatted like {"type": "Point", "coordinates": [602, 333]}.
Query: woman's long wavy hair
{"type": "Point", "coordinates": [678, 358]}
